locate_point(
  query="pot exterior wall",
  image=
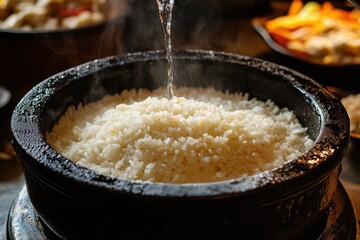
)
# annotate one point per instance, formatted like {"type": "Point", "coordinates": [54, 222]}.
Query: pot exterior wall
{"type": "Point", "coordinates": [136, 218]}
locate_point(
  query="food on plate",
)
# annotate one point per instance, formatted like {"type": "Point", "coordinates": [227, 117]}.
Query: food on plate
{"type": "Point", "coordinates": [203, 136]}
{"type": "Point", "coordinates": [319, 33]}
{"type": "Point", "coordinates": [51, 14]}
{"type": "Point", "coordinates": [352, 106]}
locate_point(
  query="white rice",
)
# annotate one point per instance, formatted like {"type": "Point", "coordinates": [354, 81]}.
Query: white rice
{"type": "Point", "coordinates": [203, 136]}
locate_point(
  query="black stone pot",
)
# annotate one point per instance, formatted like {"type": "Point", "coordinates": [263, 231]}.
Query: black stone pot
{"type": "Point", "coordinates": [77, 203]}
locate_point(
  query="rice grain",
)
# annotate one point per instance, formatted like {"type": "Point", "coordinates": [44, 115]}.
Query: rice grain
{"type": "Point", "coordinates": [203, 136]}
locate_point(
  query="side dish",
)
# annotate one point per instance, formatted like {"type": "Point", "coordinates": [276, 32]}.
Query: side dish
{"type": "Point", "coordinates": [320, 33]}
{"type": "Point", "coordinates": [51, 14]}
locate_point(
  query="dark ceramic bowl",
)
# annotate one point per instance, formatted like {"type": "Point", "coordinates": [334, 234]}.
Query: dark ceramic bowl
{"type": "Point", "coordinates": [77, 203]}
{"type": "Point", "coordinates": [28, 57]}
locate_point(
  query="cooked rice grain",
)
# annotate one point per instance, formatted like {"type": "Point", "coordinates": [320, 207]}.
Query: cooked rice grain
{"type": "Point", "coordinates": [203, 136]}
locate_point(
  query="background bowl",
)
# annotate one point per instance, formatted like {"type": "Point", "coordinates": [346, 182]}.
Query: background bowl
{"type": "Point", "coordinates": [284, 203]}
{"type": "Point", "coordinates": [28, 57]}
{"type": "Point", "coordinates": [328, 75]}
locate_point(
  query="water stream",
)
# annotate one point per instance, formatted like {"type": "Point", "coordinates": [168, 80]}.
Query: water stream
{"type": "Point", "coordinates": [165, 14]}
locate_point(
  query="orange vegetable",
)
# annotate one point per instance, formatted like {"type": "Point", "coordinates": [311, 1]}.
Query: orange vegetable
{"type": "Point", "coordinates": [304, 22]}
{"type": "Point", "coordinates": [327, 7]}
{"type": "Point", "coordinates": [282, 36]}
{"type": "Point", "coordinates": [295, 7]}
{"type": "Point", "coordinates": [291, 22]}
{"type": "Point", "coordinates": [313, 15]}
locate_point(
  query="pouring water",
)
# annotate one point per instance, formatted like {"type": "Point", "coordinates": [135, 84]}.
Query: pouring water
{"type": "Point", "coordinates": [165, 14]}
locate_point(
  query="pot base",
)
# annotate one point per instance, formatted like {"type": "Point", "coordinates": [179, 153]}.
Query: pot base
{"type": "Point", "coordinates": [338, 224]}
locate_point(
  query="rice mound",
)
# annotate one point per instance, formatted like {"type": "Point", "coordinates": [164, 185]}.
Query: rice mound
{"type": "Point", "coordinates": [203, 136]}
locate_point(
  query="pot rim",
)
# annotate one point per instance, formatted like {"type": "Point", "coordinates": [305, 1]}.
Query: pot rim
{"type": "Point", "coordinates": [322, 158]}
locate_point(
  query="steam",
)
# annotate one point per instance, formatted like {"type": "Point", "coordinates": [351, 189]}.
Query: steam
{"type": "Point", "coordinates": [111, 41]}
{"type": "Point", "coordinates": [69, 48]}
{"type": "Point", "coordinates": [135, 26]}
{"type": "Point", "coordinates": [195, 25]}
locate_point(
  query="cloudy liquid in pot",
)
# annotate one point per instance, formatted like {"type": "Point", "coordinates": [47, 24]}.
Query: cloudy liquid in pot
{"type": "Point", "coordinates": [165, 13]}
